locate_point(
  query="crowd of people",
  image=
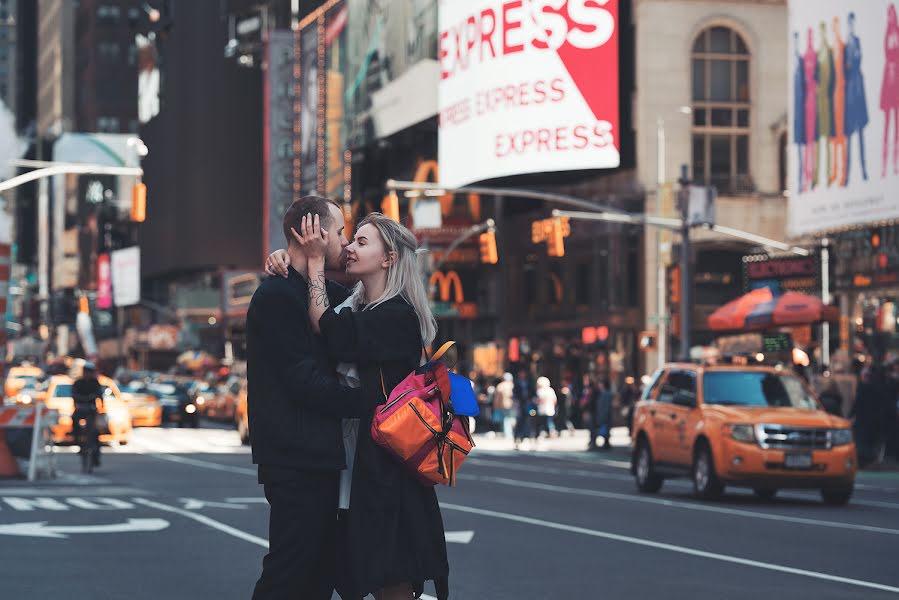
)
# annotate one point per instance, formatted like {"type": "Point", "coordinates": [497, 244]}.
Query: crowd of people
{"type": "Point", "coordinates": [522, 406]}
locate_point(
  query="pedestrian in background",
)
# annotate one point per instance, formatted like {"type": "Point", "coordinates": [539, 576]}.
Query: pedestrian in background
{"type": "Point", "coordinates": [504, 405]}
{"type": "Point", "coordinates": [868, 413]}
{"type": "Point", "coordinates": [546, 407]}
{"type": "Point", "coordinates": [525, 395]}
{"type": "Point", "coordinates": [602, 417]}
{"type": "Point", "coordinates": [586, 402]}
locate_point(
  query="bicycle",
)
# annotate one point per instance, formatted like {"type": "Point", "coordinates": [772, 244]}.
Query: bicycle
{"type": "Point", "coordinates": [88, 440]}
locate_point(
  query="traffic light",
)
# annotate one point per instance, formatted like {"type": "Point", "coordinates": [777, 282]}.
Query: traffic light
{"type": "Point", "coordinates": [555, 242]}
{"type": "Point", "coordinates": [674, 285]}
{"type": "Point", "coordinates": [139, 203]}
{"type": "Point", "coordinates": [391, 206]}
{"type": "Point", "coordinates": [488, 248]}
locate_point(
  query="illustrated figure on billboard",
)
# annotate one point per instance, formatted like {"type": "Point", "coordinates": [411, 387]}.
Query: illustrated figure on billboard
{"type": "Point", "coordinates": [856, 104]}
{"type": "Point", "coordinates": [838, 141]}
{"type": "Point", "coordinates": [889, 90]}
{"type": "Point", "coordinates": [799, 109]}
{"type": "Point", "coordinates": [825, 114]}
{"type": "Point", "coordinates": [811, 125]}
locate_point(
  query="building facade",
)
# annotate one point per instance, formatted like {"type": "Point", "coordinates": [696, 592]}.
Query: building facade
{"type": "Point", "coordinates": [711, 91]}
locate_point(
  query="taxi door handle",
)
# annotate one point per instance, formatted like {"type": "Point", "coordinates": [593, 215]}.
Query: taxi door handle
{"type": "Point", "coordinates": [673, 417]}
{"type": "Point", "coordinates": [652, 413]}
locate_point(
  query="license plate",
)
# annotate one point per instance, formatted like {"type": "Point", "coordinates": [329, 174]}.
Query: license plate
{"type": "Point", "coordinates": [798, 460]}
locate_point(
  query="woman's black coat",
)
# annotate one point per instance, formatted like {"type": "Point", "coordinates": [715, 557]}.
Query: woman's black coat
{"type": "Point", "coordinates": [394, 528]}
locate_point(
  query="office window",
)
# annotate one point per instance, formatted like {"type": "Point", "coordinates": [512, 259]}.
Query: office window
{"type": "Point", "coordinates": [721, 110]}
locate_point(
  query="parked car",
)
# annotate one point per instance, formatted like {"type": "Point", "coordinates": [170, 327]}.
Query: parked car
{"type": "Point", "coordinates": [758, 427]}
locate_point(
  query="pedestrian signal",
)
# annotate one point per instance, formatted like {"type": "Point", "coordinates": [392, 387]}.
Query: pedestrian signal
{"type": "Point", "coordinates": [139, 203]}
{"type": "Point", "coordinates": [488, 248]}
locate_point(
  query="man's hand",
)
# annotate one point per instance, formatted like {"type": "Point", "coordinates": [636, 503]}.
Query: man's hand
{"type": "Point", "coordinates": [277, 263]}
{"type": "Point", "coordinates": [313, 239]}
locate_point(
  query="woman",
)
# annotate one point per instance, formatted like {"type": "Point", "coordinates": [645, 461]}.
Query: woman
{"type": "Point", "coordinates": [546, 407]}
{"type": "Point", "coordinates": [394, 538]}
{"type": "Point", "coordinates": [889, 90]}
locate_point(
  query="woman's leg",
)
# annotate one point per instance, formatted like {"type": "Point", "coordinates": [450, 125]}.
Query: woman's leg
{"type": "Point", "coordinates": [886, 142]}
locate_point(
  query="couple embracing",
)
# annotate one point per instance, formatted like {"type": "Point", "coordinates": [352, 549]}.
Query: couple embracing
{"type": "Point", "coordinates": [344, 514]}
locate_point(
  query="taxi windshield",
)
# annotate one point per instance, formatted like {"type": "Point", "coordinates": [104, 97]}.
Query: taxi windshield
{"type": "Point", "coordinates": [747, 388]}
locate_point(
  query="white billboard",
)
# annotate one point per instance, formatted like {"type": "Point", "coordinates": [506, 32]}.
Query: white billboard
{"type": "Point", "coordinates": [843, 106]}
{"type": "Point", "coordinates": [125, 266]}
{"type": "Point", "coordinates": [527, 87]}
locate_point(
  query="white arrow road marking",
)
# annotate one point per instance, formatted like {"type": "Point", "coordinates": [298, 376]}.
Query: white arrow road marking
{"type": "Point", "coordinates": [195, 504]}
{"type": "Point", "coordinates": [459, 537]}
{"type": "Point", "coordinates": [41, 529]}
{"type": "Point", "coordinates": [205, 521]}
{"type": "Point", "coordinates": [253, 500]}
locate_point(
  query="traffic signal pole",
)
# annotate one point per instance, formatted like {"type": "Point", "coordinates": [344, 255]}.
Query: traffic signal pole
{"type": "Point", "coordinates": [686, 277]}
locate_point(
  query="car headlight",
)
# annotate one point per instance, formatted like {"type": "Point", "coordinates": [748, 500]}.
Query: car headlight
{"type": "Point", "coordinates": [200, 400]}
{"type": "Point", "coordinates": [190, 409]}
{"type": "Point", "coordinates": [25, 399]}
{"type": "Point", "coordinates": [742, 433]}
{"type": "Point", "coordinates": [841, 437]}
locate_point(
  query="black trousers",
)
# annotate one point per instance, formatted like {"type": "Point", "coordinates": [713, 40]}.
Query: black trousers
{"type": "Point", "coordinates": [302, 558]}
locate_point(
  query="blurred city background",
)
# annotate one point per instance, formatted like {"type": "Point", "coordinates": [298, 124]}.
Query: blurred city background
{"type": "Point", "coordinates": [604, 188]}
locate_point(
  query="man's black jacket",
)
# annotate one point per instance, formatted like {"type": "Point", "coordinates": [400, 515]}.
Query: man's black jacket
{"type": "Point", "coordinates": [294, 402]}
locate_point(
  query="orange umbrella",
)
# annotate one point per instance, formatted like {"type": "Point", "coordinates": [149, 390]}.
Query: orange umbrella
{"type": "Point", "coordinates": [760, 309]}
{"type": "Point", "coordinates": [733, 315]}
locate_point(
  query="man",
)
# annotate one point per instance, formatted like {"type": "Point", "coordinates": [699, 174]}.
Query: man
{"type": "Point", "coordinates": [295, 406]}
{"type": "Point", "coordinates": [85, 392]}
{"type": "Point", "coordinates": [524, 393]}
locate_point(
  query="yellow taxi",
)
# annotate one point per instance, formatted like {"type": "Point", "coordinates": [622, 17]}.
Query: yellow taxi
{"type": "Point", "coordinates": [145, 408]}
{"type": "Point", "coordinates": [758, 427]}
{"type": "Point", "coordinates": [115, 421]}
{"type": "Point", "coordinates": [20, 377]}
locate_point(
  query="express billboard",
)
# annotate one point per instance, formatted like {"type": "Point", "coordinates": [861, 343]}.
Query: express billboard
{"type": "Point", "coordinates": [527, 86]}
{"type": "Point", "coordinates": [844, 106]}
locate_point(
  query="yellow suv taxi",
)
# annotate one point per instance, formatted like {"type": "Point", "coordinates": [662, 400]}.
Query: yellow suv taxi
{"type": "Point", "coordinates": [758, 427]}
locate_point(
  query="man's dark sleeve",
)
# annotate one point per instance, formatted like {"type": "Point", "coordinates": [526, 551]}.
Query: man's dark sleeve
{"type": "Point", "coordinates": [287, 338]}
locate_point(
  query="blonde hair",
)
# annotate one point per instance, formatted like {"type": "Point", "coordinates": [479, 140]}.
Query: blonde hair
{"type": "Point", "coordinates": [403, 276]}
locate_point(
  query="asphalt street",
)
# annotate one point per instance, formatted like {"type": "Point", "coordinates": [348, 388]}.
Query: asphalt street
{"type": "Point", "coordinates": [178, 514]}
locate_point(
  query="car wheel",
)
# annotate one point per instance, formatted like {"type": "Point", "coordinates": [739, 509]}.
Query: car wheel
{"type": "Point", "coordinates": [765, 493]}
{"type": "Point", "coordinates": [648, 481]}
{"type": "Point", "coordinates": [706, 484]}
{"type": "Point", "coordinates": [838, 496]}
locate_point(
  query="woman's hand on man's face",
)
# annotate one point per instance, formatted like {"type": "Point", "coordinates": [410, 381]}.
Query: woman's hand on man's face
{"type": "Point", "coordinates": [312, 237]}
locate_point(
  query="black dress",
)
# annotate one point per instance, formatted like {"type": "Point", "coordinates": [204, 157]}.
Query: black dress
{"type": "Point", "coordinates": [394, 530]}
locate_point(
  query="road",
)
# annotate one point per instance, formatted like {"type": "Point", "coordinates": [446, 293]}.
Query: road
{"type": "Point", "coordinates": [178, 514]}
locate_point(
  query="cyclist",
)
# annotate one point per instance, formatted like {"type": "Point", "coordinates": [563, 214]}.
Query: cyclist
{"type": "Point", "coordinates": [85, 392]}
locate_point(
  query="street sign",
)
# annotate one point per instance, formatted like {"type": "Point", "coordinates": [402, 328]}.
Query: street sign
{"type": "Point", "coordinates": [126, 276]}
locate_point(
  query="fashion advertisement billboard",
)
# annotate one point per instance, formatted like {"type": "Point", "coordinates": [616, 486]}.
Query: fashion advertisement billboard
{"type": "Point", "coordinates": [527, 87]}
{"type": "Point", "coordinates": [843, 107]}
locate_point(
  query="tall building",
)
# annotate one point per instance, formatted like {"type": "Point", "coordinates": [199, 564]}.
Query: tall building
{"type": "Point", "coordinates": [55, 67]}
{"type": "Point", "coordinates": [8, 53]}
{"type": "Point", "coordinates": [710, 94]}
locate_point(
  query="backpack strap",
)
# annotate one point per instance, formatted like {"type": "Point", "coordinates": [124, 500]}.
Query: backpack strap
{"type": "Point", "coordinates": [383, 388]}
{"type": "Point", "coordinates": [443, 350]}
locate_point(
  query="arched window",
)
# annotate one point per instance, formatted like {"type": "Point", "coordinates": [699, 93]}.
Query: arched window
{"type": "Point", "coordinates": [721, 116]}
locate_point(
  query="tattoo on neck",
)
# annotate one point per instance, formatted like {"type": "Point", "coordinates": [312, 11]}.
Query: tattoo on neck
{"type": "Point", "coordinates": [318, 292]}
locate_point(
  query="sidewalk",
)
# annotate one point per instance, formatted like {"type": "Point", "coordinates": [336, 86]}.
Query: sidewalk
{"type": "Point", "coordinates": [567, 441]}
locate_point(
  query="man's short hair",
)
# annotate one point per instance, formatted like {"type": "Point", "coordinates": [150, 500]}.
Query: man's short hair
{"type": "Point", "coordinates": [301, 207]}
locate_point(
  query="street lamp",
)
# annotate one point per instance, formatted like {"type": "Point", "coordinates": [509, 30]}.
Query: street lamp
{"type": "Point", "coordinates": [662, 298]}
